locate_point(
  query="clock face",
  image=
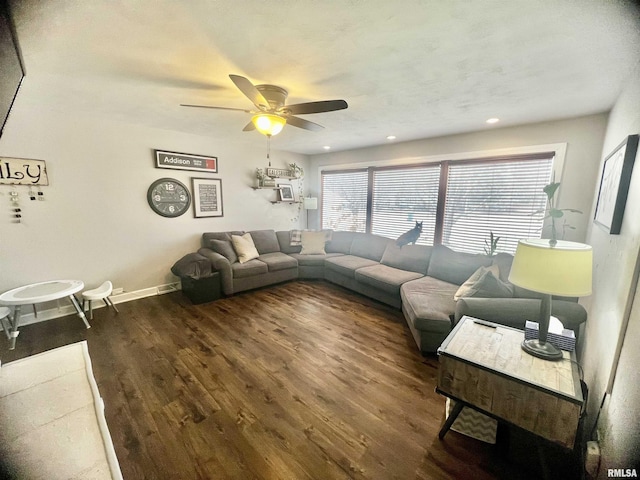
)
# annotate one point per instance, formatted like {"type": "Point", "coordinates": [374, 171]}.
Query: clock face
{"type": "Point", "coordinates": [168, 197]}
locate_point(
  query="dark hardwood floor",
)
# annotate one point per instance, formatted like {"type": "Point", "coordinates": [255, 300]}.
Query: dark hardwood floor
{"type": "Point", "coordinates": [302, 380]}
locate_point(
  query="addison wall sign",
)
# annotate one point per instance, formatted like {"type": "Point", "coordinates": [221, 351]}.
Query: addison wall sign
{"type": "Point", "coordinates": [186, 161]}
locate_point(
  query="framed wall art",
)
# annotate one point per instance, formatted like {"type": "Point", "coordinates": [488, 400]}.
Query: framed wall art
{"type": "Point", "coordinates": [207, 197]}
{"type": "Point", "coordinates": [285, 191]}
{"type": "Point", "coordinates": [186, 161]}
{"type": "Point", "coordinates": [614, 185]}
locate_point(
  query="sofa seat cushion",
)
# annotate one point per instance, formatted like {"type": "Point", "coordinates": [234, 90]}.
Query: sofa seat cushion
{"type": "Point", "coordinates": [249, 269]}
{"type": "Point", "coordinates": [278, 261]}
{"type": "Point", "coordinates": [429, 303]}
{"type": "Point", "coordinates": [388, 279]}
{"type": "Point", "coordinates": [313, 260]}
{"type": "Point", "coordinates": [348, 264]}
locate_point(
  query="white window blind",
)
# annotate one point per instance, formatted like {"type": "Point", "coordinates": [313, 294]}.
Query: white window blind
{"type": "Point", "coordinates": [344, 200]}
{"type": "Point", "coordinates": [402, 197]}
{"type": "Point", "coordinates": [498, 196]}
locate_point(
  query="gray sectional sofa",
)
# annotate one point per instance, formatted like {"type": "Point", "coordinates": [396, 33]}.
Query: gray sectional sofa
{"type": "Point", "coordinates": [420, 280]}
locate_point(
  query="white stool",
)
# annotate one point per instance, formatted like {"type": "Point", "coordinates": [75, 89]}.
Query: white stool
{"type": "Point", "coordinates": [100, 293]}
{"type": "Point", "coordinates": [5, 321]}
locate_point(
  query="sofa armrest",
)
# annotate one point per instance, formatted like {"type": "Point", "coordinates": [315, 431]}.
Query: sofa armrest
{"type": "Point", "coordinates": [514, 312]}
{"type": "Point", "coordinates": [220, 264]}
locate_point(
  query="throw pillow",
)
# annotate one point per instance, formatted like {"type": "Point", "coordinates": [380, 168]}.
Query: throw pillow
{"type": "Point", "coordinates": [484, 283]}
{"type": "Point", "coordinates": [295, 238]}
{"type": "Point", "coordinates": [244, 247]}
{"type": "Point", "coordinates": [224, 248]}
{"type": "Point", "coordinates": [313, 243]}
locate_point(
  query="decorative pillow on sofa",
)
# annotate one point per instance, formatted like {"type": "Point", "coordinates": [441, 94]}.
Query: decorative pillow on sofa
{"type": "Point", "coordinates": [313, 243]}
{"type": "Point", "coordinates": [484, 283]}
{"type": "Point", "coordinates": [296, 236]}
{"type": "Point", "coordinates": [224, 248]}
{"type": "Point", "coordinates": [244, 247]}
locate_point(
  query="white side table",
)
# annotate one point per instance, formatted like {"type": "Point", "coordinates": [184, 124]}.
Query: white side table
{"type": "Point", "coordinates": [38, 293]}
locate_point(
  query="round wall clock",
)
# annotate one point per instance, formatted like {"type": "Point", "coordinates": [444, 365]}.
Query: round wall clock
{"type": "Point", "coordinates": [168, 197]}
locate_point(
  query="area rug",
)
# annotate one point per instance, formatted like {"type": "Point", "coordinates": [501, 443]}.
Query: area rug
{"type": "Point", "coordinates": [52, 423]}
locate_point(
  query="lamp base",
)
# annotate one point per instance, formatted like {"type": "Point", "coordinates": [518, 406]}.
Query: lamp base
{"type": "Point", "coordinates": [544, 350]}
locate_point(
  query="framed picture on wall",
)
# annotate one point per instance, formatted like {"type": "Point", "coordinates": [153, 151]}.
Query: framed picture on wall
{"type": "Point", "coordinates": [614, 185]}
{"type": "Point", "coordinates": [207, 197]}
{"type": "Point", "coordinates": [286, 192]}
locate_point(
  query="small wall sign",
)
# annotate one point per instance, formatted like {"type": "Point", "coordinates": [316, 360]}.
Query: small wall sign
{"type": "Point", "coordinates": [23, 171]}
{"type": "Point", "coordinates": [186, 161]}
{"type": "Point", "coordinates": [279, 172]}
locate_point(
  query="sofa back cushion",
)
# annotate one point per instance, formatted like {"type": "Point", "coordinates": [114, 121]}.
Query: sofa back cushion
{"type": "Point", "coordinates": [208, 236]}
{"type": "Point", "coordinates": [284, 239]}
{"type": "Point", "coordinates": [368, 245]}
{"type": "Point", "coordinates": [340, 242]}
{"type": "Point", "coordinates": [265, 241]}
{"type": "Point", "coordinates": [224, 248]}
{"type": "Point", "coordinates": [454, 267]}
{"type": "Point", "coordinates": [413, 258]}
{"type": "Point", "coordinates": [503, 261]}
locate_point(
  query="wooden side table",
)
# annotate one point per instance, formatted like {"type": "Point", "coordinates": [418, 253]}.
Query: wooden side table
{"type": "Point", "coordinates": [482, 366]}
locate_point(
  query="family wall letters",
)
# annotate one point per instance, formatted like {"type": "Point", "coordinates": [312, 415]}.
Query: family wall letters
{"type": "Point", "coordinates": [23, 171]}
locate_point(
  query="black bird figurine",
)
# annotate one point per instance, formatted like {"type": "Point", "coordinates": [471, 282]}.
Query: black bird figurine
{"type": "Point", "coordinates": [411, 236]}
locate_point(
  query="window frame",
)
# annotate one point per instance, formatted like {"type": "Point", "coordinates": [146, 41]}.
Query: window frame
{"type": "Point", "coordinates": [554, 152]}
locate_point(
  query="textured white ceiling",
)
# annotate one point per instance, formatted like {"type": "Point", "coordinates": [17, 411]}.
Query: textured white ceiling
{"type": "Point", "coordinates": [414, 69]}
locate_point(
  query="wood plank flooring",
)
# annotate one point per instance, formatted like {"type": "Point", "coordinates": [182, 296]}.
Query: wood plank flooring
{"type": "Point", "coordinates": [302, 380]}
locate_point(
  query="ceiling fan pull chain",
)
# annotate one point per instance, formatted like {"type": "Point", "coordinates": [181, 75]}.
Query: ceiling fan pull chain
{"type": "Point", "coordinates": [269, 149]}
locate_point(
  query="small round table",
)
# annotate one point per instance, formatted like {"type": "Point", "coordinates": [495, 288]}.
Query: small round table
{"type": "Point", "coordinates": [39, 293]}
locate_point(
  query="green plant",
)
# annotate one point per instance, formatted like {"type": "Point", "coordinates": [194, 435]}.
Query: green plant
{"type": "Point", "coordinates": [555, 213]}
{"type": "Point", "coordinates": [297, 170]}
{"type": "Point", "coordinates": [491, 245]}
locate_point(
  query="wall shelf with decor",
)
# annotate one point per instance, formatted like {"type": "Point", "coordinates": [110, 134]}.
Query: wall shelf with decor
{"type": "Point", "coordinates": [284, 201]}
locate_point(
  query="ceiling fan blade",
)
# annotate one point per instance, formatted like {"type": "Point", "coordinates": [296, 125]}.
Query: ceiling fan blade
{"type": "Point", "coordinates": [302, 123]}
{"type": "Point", "coordinates": [218, 108]}
{"type": "Point", "coordinates": [250, 91]}
{"type": "Point", "coordinates": [316, 107]}
{"type": "Point", "coordinates": [249, 127]}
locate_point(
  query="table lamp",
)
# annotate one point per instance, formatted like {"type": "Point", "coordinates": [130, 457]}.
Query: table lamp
{"type": "Point", "coordinates": [563, 269]}
{"type": "Point", "coordinates": [309, 203]}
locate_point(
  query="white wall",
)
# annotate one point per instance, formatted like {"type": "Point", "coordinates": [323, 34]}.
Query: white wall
{"type": "Point", "coordinates": [95, 222]}
{"type": "Point", "coordinates": [615, 259]}
{"type": "Point", "coordinates": [583, 136]}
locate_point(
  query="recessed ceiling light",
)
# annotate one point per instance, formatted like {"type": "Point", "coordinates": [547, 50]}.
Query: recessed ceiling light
{"type": "Point", "coordinates": [493, 120]}
{"type": "Point", "coordinates": [327, 147]}
{"type": "Point", "coordinates": [391, 137]}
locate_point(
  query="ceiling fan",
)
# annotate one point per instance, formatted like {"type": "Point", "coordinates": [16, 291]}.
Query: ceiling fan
{"type": "Point", "coordinates": [272, 113]}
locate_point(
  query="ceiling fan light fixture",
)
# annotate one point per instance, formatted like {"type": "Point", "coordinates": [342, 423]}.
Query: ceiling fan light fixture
{"type": "Point", "coordinates": [268, 124]}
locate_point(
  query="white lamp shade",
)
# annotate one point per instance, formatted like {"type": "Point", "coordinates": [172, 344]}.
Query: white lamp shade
{"type": "Point", "coordinates": [310, 203]}
{"type": "Point", "coordinates": [564, 269]}
{"type": "Point", "coordinates": [268, 124]}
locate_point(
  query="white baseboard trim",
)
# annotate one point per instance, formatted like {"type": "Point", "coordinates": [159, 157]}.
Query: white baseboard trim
{"type": "Point", "coordinates": [27, 316]}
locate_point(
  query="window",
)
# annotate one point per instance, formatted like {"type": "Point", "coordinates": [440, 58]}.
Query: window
{"type": "Point", "coordinates": [344, 200]}
{"type": "Point", "coordinates": [499, 197]}
{"type": "Point", "coordinates": [459, 202]}
{"type": "Point", "coordinates": [402, 197]}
